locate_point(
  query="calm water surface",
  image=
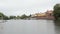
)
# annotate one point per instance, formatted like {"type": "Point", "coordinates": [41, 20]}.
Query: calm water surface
{"type": "Point", "coordinates": [29, 27]}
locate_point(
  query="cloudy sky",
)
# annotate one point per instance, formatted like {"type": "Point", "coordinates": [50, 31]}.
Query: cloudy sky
{"type": "Point", "coordinates": [19, 7]}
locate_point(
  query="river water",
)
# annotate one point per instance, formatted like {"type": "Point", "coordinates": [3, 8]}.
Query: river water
{"type": "Point", "coordinates": [29, 27]}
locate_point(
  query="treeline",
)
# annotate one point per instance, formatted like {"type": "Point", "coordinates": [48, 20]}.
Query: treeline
{"type": "Point", "coordinates": [4, 17]}
{"type": "Point", "coordinates": [56, 12]}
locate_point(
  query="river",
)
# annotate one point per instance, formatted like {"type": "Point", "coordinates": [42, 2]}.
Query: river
{"type": "Point", "coordinates": [29, 27]}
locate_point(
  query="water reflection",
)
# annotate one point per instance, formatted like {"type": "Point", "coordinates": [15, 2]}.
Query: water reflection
{"type": "Point", "coordinates": [50, 27]}
{"type": "Point", "coordinates": [57, 27]}
{"type": "Point", "coordinates": [1, 28]}
{"type": "Point", "coordinates": [57, 23]}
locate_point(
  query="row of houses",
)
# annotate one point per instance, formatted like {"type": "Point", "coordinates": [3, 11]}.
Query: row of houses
{"type": "Point", "coordinates": [46, 15]}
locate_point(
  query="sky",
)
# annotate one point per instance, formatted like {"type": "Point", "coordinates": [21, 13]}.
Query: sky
{"type": "Point", "coordinates": [20, 7]}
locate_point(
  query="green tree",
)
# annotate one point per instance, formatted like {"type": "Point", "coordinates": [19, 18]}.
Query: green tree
{"type": "Point", "coordinates": [4, 17]}
{"type": "Point", "coordinates": [12, 17]}
{"type": "Point", "coordinates": [23, 16]}
{"type": "Point", "coordinates": [56, 11]}
{"type": "Point", "coordinates": [18, 17]}
{"type": "Point", "coordinates": [30, 15]}
{"type": "Point", "coordinates": [1, 15]}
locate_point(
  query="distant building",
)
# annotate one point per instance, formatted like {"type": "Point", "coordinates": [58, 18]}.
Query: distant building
{"type": "Point", "coordinates": [47, 15]}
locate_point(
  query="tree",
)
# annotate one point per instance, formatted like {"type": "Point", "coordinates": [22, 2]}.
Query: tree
{"type": "Point", "coordinates": [2, 16]}
{"type": "Point", "coordinates": [12, 17]}
{"type": "Point", "coordinates": [6, 18]}
{"type": "Point", "coordinates": [56, 11]}
{"type": "Point", "coordinates": [23, 16]}
{"type": "Point", "coordinates": [30, 15]}
{"type": "Point", "coordinates": [18, 17]}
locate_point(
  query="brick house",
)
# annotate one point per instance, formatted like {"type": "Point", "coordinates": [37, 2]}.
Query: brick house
{"type": "Point", "coordinates": [47, 15]}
